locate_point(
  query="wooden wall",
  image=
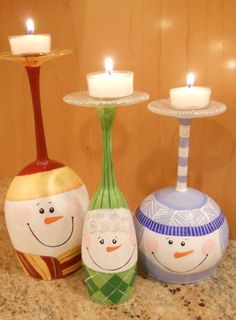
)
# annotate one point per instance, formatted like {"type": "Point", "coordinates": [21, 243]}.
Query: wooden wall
{"type": "Point", "coordinates": [160, 40]}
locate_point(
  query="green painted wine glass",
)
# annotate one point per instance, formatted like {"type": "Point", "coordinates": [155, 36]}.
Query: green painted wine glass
{"type": "Point", "coordinates": [109, 246]}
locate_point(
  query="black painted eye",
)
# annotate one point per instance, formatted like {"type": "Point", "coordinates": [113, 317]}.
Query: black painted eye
{"type": "Point", "coordinates": [41, 210]}
{"type": "Point", "coordinates": [114, 241]}
{"type": "Point", "coordinates": [51, 210]}
{"type": "Point", "coordinates": [182, 243]}
{"type": "Point", "coordinates": [101, 241]}
{"type": "Point", "coordinates": [170, 241]}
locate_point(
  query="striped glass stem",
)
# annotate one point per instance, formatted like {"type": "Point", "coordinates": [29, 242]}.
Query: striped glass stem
{"type": "Point", "coordinates": [108, 194]}
{"type": "Point", "coordinates": [184, 135]}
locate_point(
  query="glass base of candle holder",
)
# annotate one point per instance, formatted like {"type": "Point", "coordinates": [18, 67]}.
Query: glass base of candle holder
{"type": "Point", "coordinates": [109, 247]}
{"type": "Point", "coordinates": [182, 235]}
{"type": "Point", "coordinates": [82, 99]}
{"type": "Point", "coordinates": [34, 60]}
{"type": "Point", "coordinates": [163, 108]}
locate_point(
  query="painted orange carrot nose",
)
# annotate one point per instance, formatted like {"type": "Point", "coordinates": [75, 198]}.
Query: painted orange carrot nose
{"type": "Point", "coordinates": [182, 254]}
{"type": "Point", "coordinates": [111, 249]}
{"type": "Point", "coordinates": [52, 219]}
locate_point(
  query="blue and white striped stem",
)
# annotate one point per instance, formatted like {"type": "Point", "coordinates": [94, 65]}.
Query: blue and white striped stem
{"type": "Point", "coordinates": [184, 134]}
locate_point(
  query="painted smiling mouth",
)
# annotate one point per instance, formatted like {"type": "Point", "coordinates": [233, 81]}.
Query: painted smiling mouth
{"type": "Point", "coordinates": [58, 245]}
{"type": "Point", "coordinates": [114, 268]}
{"type": "Point", "coordinates": [178, 271]}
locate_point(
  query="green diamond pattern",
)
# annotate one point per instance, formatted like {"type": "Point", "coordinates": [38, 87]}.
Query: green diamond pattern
{"type": "Point", "coordinates": [110, 288]}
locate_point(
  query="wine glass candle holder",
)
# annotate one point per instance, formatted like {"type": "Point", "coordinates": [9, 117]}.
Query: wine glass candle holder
{"type": "Point", "coordinates": [46, 201]}
{"type": "Point", "coordinates": [182, 233]}
{"type": "Point", "coordinates": [109, 248]}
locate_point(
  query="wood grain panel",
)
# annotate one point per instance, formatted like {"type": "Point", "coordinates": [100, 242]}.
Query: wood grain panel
{"type": "Point", "coordinates": [160, 40]}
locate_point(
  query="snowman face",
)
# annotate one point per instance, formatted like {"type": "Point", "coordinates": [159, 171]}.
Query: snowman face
{"type": "Point", "coordinates": [47, 226]}
{"type": "Point", "coordinates": [109, 245]}
{"type": "Point", "coordinates": [182, 254]}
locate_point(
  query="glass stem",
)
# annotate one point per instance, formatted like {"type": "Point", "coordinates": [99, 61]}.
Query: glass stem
{"type": "Point", "coordinates": [184, 135]}
{"type": "Point", "coordinates": [108, 176]}
{"type": "Point", "coordinates": [33, 76]}
{"type": "Point", "coordinates": [108, 194]}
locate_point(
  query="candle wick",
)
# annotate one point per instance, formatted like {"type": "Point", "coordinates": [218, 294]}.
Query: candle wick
{"type": "Point", "coordinates": [30, 32]}
{"type": "Point", "coordinates": [109, 72]}
{"type": "Point", "coordinates": [189, 85]}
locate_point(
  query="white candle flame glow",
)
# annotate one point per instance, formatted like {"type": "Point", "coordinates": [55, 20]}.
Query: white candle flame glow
{"type": "Point", "coordinates": [30, 26]}
{"type": "Point", "coordinates": [190, 79]}
{"type": "Point", "coordinates": [108, 65]}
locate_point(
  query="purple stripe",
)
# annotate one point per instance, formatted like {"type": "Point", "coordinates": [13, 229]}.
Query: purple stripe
{"type": "Point", "coordinates": [182, 179]}
{"type": "Point", "coordinates": [182, 161]}
{"type": "Point", "coordinates": [183, 142]}
{"type": "Point", "coordinates": [162, 229]}
{"type": "Point", "coordinates": [179, 231]}
{"type": "Point", "coordinates": [176, 231]}
{"type": "Point", "coordinates": [215, 224]}
{"type": "Point", "coordinates": [153, 224]}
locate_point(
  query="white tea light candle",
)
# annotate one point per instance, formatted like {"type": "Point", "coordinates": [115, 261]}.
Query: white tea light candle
{"type": "Point", "coordinates": [190, 97]}
{"type": "Point", "coordinates": [30, 43]}
{"type": "Point", "coordinates": [110, 84]}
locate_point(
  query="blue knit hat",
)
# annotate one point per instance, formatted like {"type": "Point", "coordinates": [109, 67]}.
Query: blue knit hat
{"type": "Point", "coordinates": [175, 213]}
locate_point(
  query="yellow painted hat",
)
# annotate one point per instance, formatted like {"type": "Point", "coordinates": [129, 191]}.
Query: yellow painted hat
{"type": "Point", "coordinates": [43, 184]}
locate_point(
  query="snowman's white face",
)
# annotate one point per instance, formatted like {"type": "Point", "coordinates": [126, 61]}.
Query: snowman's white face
{"type": "Point", "coordinates": [109, 245]}
{"type": "Point", "coordinates": [47, 226]}
{"type": "Point", "coordinates": [182, 254]}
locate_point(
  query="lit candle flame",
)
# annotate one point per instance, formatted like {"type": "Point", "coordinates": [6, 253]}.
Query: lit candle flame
{"type": "Point", "coordinates": [190, 79]}
{"type": "Point", "coordinates": [30, 26]}
{"type": "Point", "coordinates": [108, 65]}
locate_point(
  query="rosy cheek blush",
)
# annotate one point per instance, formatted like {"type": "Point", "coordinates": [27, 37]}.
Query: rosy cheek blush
{"type": "Point", "coordinates": [22, 216]}
{"type": "Point", "coordinates": [152, 244]}
{"type": "Point", "coordinates": [133, 239]}
{"type": "Point", "coordinates": [74, 206]}
{"type": "Point", "coordinates": [86, 241]}
{"type": "Point", "coordinates": [208, 246]}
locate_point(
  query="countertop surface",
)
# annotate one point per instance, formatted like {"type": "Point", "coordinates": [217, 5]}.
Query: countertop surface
{"type": "Point", "coordinates": [22, 297]}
